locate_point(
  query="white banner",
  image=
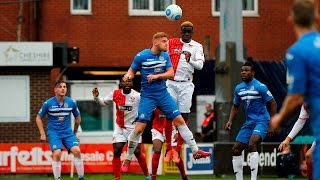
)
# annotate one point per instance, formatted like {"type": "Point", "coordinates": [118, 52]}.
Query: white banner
{"type": "Point", "coordinates": [26, 53]}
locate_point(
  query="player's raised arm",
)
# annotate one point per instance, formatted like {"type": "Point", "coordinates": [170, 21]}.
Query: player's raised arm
{"type": "Point", "coordinates": [101, 101]}
{"type": "Point", "coordinates": [129, 75]}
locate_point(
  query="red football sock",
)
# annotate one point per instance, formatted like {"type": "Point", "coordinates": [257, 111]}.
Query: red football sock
{"type": "Point", "coordinates": [168, 134]}
{"type": "Point", "coordinates": [143, 164]}
{"type": "Point", "coordinates": [180, 166]}
{"type": "Point", "coordinates": [155, 164]}
{"type": "Point", "coordinates": [309, 169]}
{"type": "Point", "coordinates": [116, 164]}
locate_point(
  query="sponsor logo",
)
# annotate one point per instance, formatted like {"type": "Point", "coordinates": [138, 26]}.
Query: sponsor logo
{"type": "Point", "coordinates": [157, 70]}
{"type": "Point", "coordinates": [202, 164]}
{"type": "Point", "coordinates": [265, 158]}
{"type": "Point", "coordinates": [125, 108]}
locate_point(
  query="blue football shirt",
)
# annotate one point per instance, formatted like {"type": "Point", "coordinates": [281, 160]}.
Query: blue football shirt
{"type": "Point", "coordinates": [148, 63]}
{"type": "Point", "coordinates": [303, 62]}
{"type": "Point", "coordinates": [254, 96]}
{"type": "Point", "coordinates": [59, 115]}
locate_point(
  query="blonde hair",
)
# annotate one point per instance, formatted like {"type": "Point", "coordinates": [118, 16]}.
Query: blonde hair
{"type": "Point", "coordinates": [187, 23]}
{"type": "Point", "coordinates": [159, 35]}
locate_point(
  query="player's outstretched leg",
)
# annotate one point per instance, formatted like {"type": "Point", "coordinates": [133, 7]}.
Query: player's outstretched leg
{"type": "Point", "coordinates": [133, 142]}
{"type": "Point", "coordinates": [187, 136]}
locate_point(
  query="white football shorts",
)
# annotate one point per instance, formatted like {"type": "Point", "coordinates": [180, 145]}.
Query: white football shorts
{"type": "Point", "coordinates": [122, 135]}
{"type": "Point", "coordinates": [181, 92]}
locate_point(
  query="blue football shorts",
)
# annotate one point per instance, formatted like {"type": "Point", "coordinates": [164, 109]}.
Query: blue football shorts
{"type": "Point", "coordinates": [162, 100]}
{"type": "Point", "coordinates": [58, 139]}
{"type": "Point", "coordinates": [250, 128]}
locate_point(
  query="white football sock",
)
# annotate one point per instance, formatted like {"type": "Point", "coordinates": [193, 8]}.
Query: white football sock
{"type": "Point", "coordinates": [237, 162]}
{"type": "Point", "coordinates": [254, 163]}
{"type": "Point", "coordinates": [56, 168]}
{"type": "Point", "coordinates": [132, 144]}
{"type": "Point", "coordinates": [79, 166]}
{"type": "Point", "coordinates": [187, 136]}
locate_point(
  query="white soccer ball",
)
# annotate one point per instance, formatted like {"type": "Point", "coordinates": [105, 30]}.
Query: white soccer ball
{"type": "Point", "coordinates": [173, 12]}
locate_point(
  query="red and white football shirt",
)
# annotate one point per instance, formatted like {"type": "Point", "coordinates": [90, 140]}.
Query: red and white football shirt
{"type": "Point", "coordinates": [183, 70]}
{"type": "Point", "coordinates": [126, 106]}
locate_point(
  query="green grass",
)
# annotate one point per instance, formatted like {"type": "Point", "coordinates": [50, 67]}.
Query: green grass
{"type": "Point", "coordinates": [124, 177]}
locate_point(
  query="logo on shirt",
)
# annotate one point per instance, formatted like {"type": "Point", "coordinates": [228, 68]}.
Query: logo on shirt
{"type": "Point", "coordinates": [161, 58]}
{"type": "Point", "coordinates": [142, 116]}
{"type": "Point", "coordinates": [157, 70]}
{"type": "Point", "coordinates": [65, 105]}
{"type": "Point", "coordinates": [269, 93]}
{"type": "Point", "coordinates": [125, 108]}
{"type": "Point", "coordinates": [289, 56]}
{"type": "Point", "coordinates": [61, 118]}
{"type": "Point", "coordinates": [316, 42]}
{"type": "Point", "coordinates": [252, 88]}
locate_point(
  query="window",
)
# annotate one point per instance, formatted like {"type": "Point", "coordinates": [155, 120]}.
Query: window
{"type": "Point", "coordinates": [148, 7]}
{"type": "Point", "coordinates": [94, 117]}
{"type": "Point", "coordinates": [97, 122]}
{"type": "Point", "coordinates": [250, 7]}
{"type": "Point", "coordinates": [81, 7]}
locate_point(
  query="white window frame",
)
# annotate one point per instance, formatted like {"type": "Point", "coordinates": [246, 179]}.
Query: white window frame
{"type": "Point", "coordinates": [81, 11]}
{"type": "Point", "coordinates": [147, 12]}
{"type": "Point", "coordinates": [245, 13]}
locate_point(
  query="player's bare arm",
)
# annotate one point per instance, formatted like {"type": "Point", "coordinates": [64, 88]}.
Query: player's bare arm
{"type": "Point", "coordinates": [43, 136]}
{"type": "Point", "coordinates": [284, 144]}
{"type": "Point", "coordinates": [273, 107]}
{"type": "Point", "coordinates": [233, 113]}
{"type": "Point", "coordinates": [291, 104]}
{"type": "Point", "coordinates": [187, 55]}
{"type": "Point", "coordinates": [166, 75]}
{"type": "Point", "coordinates": [76, 124]}
{"type": "Point", "coordinates": [129, 75]}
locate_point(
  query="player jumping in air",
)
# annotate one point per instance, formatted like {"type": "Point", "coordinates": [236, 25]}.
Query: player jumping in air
{"type": "Point", "coordinates": [155, 67]}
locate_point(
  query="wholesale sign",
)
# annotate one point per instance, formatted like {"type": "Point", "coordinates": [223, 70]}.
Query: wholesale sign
{"type": "Point", "coordinates": [37, 158]}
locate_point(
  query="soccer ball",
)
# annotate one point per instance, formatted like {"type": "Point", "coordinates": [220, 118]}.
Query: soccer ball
{"type": "Point", "coordinates": [173, 12]}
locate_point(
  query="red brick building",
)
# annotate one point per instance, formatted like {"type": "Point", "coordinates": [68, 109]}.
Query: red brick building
{"type": "Point", "coordinates": [109, 34]}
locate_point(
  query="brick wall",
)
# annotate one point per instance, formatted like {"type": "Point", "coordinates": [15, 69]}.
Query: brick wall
{"type": "Point", "coordinates": [110, 37]}
{"type": "Point", "coordinates": [9, 21]}
{"type": "Point", "coordinates": [40, 90]}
